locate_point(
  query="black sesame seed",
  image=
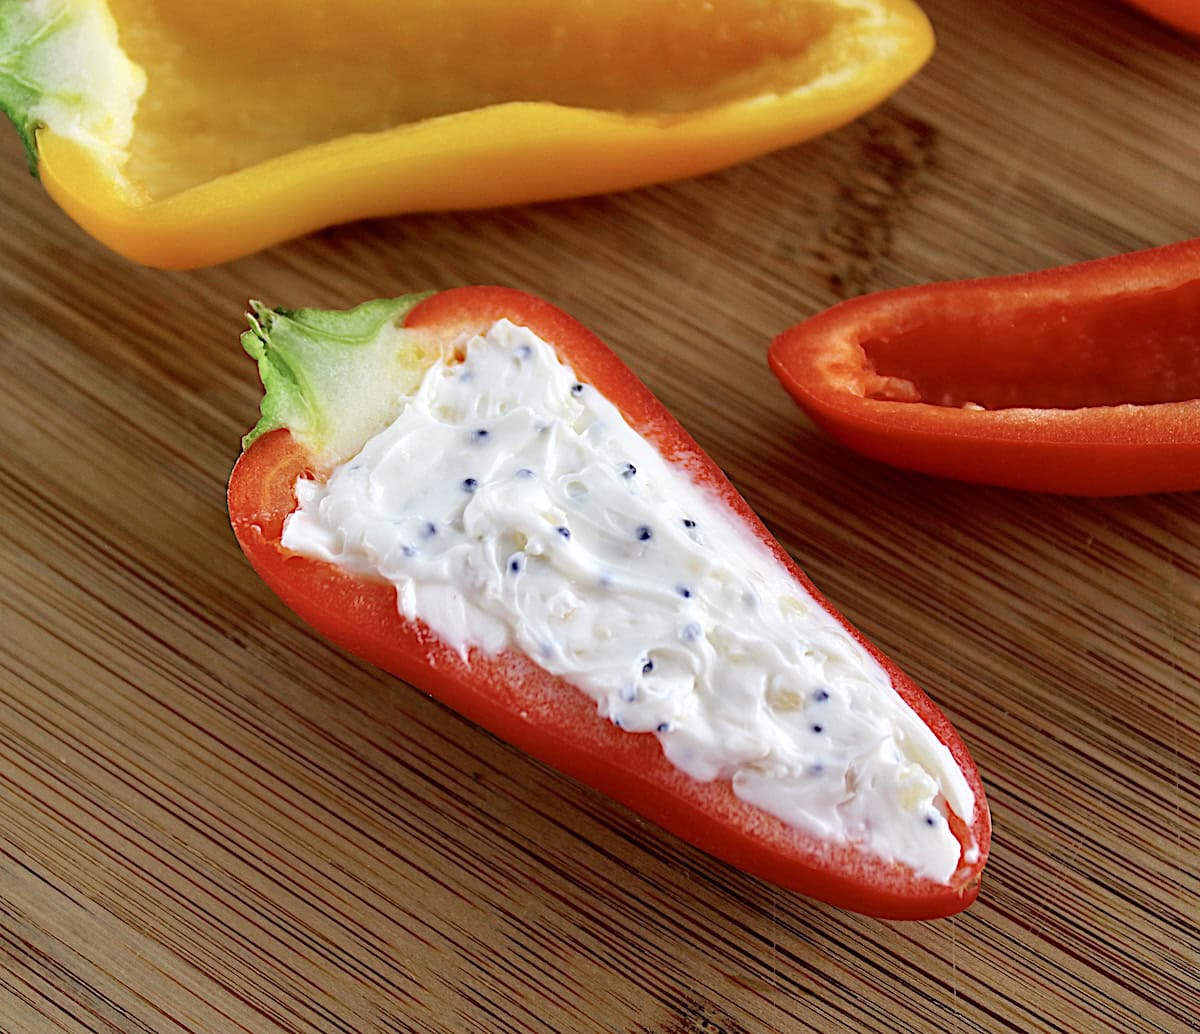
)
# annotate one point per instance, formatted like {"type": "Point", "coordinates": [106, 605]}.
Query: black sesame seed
{"type": "Point", "coordinates": [617, 722]}
{"type": "Point", "coordinates": [564, 531]}
{"type": "Point", "coordinates": [479, 434]}
{"type": "Point", "coordinates": [688, 522]}
{"type": "Point", "coordinates": [817, 768]}
{"type": "Point", "coordinates": [524, 352]}
{"type": "Point", "coordinates": [576, 389]}
{"type": "Point", "coordinates": [644, 534]}
{"type": "Point", "coordinates": [409, 550]}
{"type": "Point", "coordinates": [647, 667]}
{"type": "Point", "coordinates": [630, 694]}
{"type": "Point", "coordinates": [684, 591]}
{"type": "Point", "coordinates": [821, 695]}
{"type": "Point", "coordinates": [628, 470]}
{"type": "Point", "coordinates": [469, 484]}
{"type": "Point", "coordinates": [429, 530]}
{"type": "Point", "coordinates": [930, 820]}
{"type": "Point", "coordinates": [663, 727]}
{"type": "Point", "coordinates": [818, 728]}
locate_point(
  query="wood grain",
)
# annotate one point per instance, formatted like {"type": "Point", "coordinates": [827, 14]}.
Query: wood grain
{"type": "Point", "coordinates": [210, 820]}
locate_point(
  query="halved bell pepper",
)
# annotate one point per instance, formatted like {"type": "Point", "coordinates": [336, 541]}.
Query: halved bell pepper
{"type": "Point", "coordinates": [334, 379]}
{"type": "Point", "coordinates": [1080, 380]}
{"type": "Point", "coordinates": [187, 134]}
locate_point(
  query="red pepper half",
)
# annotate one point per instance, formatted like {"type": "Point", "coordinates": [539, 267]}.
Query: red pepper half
{"type": "Point", "coordinates": [1080, 380]}
{"type": "Point", "coordinates": [1183, 14]}
{"type": "Point", "coordinates": [511, 696]}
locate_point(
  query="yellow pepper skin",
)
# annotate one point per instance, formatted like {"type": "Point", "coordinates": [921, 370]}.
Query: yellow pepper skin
{"type": "Point", "coordinates": [186, 135]}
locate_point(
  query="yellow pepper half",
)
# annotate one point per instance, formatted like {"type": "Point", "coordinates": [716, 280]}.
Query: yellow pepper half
{"type": "Point", "coordinates": [184, 134]}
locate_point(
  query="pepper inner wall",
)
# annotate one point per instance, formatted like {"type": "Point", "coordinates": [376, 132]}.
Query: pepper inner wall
{"type": "Point", "coordinates": [233, 84]}
{"type": "Point", "coordinates": [1141, 349]}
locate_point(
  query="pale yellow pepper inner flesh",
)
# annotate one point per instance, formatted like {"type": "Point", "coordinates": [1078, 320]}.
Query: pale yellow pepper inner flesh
{"type": "Point", "coordinates": [233, 84]}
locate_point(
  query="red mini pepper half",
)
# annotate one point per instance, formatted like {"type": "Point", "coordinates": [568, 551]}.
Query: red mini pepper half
{"type": "Point", "coordinates": [508, 694]}
{"type": "Point", "coordinates": [1080, 380]}
{"type": "Point", "coordinates": [1183, 14]}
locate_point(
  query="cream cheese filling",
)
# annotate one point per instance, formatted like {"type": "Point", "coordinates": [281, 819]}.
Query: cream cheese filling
{"type": "Point", "coordinates": [513, 507]}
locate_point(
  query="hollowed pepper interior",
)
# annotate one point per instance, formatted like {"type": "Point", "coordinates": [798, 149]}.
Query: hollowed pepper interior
{"type": "Point", "coordinates": [1140, 348]}
{"type": "Point", "coordinates": [230, 85]}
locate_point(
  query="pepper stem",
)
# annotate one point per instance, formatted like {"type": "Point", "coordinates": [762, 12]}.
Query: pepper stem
{"type": "Point", "coordinates": [62, 67]}
{"type": "Point", "coordinates": [334, 378]}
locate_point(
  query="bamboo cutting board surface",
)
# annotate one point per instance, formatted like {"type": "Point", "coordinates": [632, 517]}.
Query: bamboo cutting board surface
{"type": "Point", "coordinates": [211, 820]}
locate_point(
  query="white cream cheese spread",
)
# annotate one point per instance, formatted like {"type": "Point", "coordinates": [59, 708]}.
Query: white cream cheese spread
{"type": "Point", "coordinates": [514, 508]}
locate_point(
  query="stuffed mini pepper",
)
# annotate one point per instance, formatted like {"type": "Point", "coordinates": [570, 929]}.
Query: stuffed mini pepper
{"type": "Point", "coordinates": [471, 491]}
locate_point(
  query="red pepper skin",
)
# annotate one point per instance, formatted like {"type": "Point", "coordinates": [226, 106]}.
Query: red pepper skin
{"type": "Point", "coordinates": [1183, 14]}
{"type": "Point", "coordinates": [548, 718]}
{"type": "Point", "coordinates": [1089, 375]}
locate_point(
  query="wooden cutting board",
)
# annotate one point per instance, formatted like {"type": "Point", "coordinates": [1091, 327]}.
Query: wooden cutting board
{"type": "Point", "coordinates": [211, 820]}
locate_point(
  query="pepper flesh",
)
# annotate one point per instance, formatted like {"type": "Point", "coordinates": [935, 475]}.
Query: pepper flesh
{"type": "Point", "coordinates": [532, 709]}
{"type": "Point", "coordinates": [1079, 380]}
{"type": "Point", "coordinates": [1182, 14]}
{"type": "Point", "coordinates": [257, 124]}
